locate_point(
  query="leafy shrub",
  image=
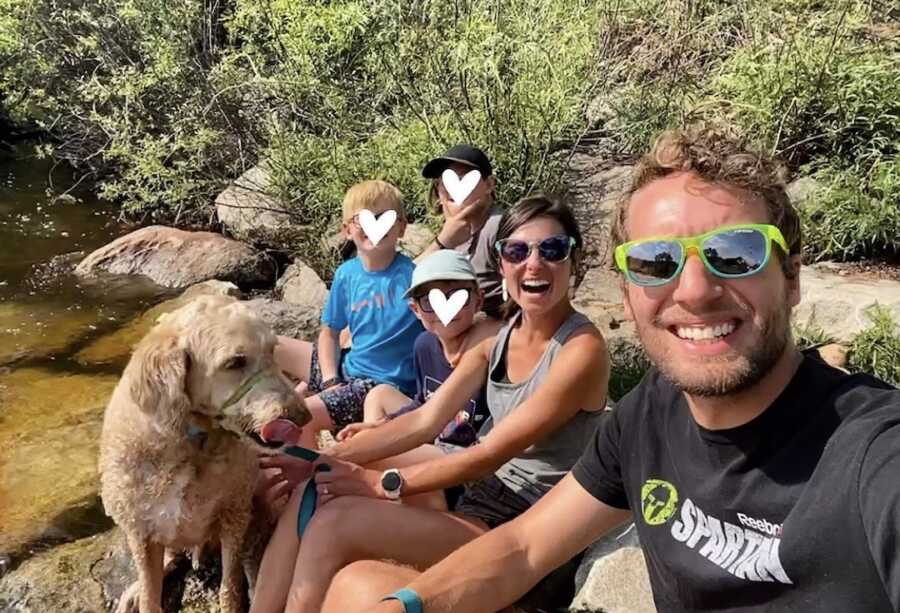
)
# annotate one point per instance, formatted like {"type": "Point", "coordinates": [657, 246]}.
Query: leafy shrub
{"type": "Point", "coordinates": [166, 102]}
{"type": "Point", "coordinates": [856, 213]}
{"type": "Point", "coordinates": [628, 365]}
{"type": "Point", "coordinates": [876, 350]}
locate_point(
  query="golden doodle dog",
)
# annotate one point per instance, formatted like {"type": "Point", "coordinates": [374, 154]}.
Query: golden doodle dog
{"type": "Point", "coordinates": [178, 453]}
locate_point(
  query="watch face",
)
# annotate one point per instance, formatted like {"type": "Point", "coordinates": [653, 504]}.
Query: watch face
{"type": "Point", "coordinates": [390, 482]}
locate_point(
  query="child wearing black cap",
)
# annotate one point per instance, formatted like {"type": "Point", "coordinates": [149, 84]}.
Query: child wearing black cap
{"type": "Point", "coordinates": [469, 226]}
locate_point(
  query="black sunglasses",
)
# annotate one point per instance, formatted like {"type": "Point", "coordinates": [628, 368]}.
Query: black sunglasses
{"type": "Point", "coordinates": [552, 249]}
{"type": "Point", "coordinates": [425, 303]}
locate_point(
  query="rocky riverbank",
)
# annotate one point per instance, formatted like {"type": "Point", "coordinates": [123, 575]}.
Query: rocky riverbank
{"type": "Point", "coordinates": [57, 550]}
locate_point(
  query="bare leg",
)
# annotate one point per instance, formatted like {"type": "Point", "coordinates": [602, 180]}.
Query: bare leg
{"type": "Point", "coordinates": [294, 357]}
{"type": "Point", "coordinates": [382, 401]}
{"type": "Point", "coordinates": [276, 569]}
{"type": "Point", "coordinates": [349, 528]}
{"type": "Point", "coordinates": [363, 584]}
{"type": "Point", "coordinates": [321, 420]}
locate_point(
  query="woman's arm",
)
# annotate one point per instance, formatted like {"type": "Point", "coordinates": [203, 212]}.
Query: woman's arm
{"type": "Point", "coordinates": [425, 423]}
{"type": "Point", "coordinates": [577, 380]}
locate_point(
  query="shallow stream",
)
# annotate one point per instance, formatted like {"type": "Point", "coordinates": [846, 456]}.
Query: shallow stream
{"type": "Point", "coordinates": [62, 344]}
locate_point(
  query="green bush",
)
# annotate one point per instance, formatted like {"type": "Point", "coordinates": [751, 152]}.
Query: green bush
{"type": "Point", "coordinates": [855, 214]}
{"type": "Point", "coordinates": [167, 101]}
{"type": "Point", "coordinates": [876, 350]}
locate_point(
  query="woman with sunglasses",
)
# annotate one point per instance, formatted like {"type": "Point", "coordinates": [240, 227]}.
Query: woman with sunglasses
{"type": "Point", "coordinates": [546, 371]}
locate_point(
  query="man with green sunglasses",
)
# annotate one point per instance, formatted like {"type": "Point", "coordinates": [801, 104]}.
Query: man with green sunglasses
{"type": "Point", "coordinates": [759, 477]}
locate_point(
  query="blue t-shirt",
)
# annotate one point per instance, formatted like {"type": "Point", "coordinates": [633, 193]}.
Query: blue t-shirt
{"type": "Point", "coordinates": [383, 327]}
{"type": "Point", "coordinates": [432, 369]}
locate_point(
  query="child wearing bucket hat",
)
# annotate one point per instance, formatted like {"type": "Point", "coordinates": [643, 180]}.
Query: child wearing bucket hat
{"type": "Point", "coordinates": [470, 226]}
{"type": "Point", "coordinates": [450, 329]}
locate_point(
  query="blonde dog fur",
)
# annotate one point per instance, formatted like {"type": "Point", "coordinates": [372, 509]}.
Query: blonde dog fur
{"type": "Point", "coordinates": [178, 471]}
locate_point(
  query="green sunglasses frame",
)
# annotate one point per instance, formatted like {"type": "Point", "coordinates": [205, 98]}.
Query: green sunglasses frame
{"type": "Point", "coordinates": [772, 234]}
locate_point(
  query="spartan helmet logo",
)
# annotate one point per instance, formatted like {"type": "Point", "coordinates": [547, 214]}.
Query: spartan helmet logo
{"type": "Point", "coordinates": [659, 499]}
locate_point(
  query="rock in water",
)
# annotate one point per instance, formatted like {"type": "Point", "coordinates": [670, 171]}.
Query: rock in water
{"type": "Point", "coordinates": [177, 258]}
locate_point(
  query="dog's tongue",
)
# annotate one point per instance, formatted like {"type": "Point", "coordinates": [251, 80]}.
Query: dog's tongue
{"type": "Point", "coordinates": [282, 430]}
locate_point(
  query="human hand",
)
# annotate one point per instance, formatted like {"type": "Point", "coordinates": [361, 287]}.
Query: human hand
{"type": "Point", "coordinates": [280, 474]}
{"type": "Point", "coordinates": [352, 430]}
{"type": "Point", "coordinates": [459, 222]}
{"type": "Point", "coordinates": [342, 478]}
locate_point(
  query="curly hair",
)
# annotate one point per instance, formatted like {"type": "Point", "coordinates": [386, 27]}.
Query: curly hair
{"type": "Point", "coordinates": [717, 154]}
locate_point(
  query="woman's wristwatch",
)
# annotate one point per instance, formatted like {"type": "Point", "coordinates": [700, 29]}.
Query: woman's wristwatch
{"type": "Point", "coordinates": [392, 484]}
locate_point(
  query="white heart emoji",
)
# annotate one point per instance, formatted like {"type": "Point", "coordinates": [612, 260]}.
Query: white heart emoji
{"type": "Point", "coordinates": [459, 189]}
{"type": "Point", "coordinates": [446, 309]}
{"type": "Point", "coordinates": [374, 228]}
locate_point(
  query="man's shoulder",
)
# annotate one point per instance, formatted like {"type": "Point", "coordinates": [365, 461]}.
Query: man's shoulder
{"type": "Point", "coordinates": [852, 395]}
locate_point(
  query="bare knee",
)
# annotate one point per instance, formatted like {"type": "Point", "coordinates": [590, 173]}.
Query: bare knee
{"type": "Point", "coordinates": [363, 584]}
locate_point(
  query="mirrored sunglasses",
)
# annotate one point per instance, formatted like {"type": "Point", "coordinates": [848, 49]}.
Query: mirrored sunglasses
{"type": "Point", "coordinates": [552, 249]}
{"type": "Point", "coordinates": [730, 252]}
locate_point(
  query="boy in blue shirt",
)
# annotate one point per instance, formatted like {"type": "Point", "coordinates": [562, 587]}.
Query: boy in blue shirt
{"type": "Point", "coordinates": [367, 296]}
{"type": "Point", "coordinates": [438, 350]}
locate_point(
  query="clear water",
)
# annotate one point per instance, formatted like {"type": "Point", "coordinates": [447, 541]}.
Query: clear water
{"type": "Point", "coordinates": [61, 349]}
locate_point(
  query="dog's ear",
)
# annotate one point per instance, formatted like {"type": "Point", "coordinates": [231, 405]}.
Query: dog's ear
{"type": "Point", "coordinates": [158, 375]}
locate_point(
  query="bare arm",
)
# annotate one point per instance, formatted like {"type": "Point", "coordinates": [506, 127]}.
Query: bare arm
{"type": "Point", "coordinates": [577, 380]}
{"type": "Point", "coordinates": [499, 567]}
{"type": "Point", "coordinates": [425, 423]}
{"type": "Point", "coordinates": [329, 350]}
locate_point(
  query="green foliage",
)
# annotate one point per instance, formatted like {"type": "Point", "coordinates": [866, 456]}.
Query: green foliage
{"type": "Point", "coordinates": [168, 101]}
{"type": "Point", "coordinates": [628, 365]}
{"type": "Point", "coordinates": [806, 337]}
{"type": "Point", "coordinates": [876, 350]}
{"type": "Point", "coordinates": [856, 213]}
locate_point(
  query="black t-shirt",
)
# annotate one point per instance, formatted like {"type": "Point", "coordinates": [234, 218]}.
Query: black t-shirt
{"type": "Point", "coordinates": [797, 510]}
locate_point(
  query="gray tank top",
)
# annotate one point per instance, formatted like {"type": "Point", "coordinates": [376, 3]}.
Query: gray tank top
{"type": "Point", "coordinates": [538, 468]}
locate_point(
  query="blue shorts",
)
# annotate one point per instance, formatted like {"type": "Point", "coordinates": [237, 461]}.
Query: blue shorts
{"type": "Point", "coordinates": [343, 402]}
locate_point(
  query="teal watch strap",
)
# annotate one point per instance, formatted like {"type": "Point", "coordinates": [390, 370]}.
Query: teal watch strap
{"type": "Point", "coordinates": [409, 599]}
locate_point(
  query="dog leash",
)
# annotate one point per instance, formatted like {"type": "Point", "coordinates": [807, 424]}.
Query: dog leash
{"type": "Point", "coordinates": [310, 495]}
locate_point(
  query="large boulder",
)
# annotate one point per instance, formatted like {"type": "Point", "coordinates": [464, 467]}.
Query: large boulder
{"type": "Point", "coordinates": [613, 576]}
{"type": "Point", "coordinates": [48, 460]}
{"type": "Point", "coordinates": [835, 300]}
{"type": "Point", "coordinates": [115, 347]}
{"type": "Point", "coordinates": [250, 212]}
{"type": "Point", "coordinates": [300, 285]}
{"type": "Point", "coordinates": [286, 319]}
{"type": "Point", "coordinates": [177, 258]}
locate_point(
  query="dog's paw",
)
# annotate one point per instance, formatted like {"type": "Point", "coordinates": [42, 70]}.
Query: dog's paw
{"type": "Point", "coordinates": [129, 602]}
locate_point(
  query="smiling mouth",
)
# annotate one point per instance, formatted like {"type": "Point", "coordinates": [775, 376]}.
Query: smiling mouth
{"type": "Point", "coordinates": [709, 333]}
{"type": "Point", "coordinates": [535, 286]}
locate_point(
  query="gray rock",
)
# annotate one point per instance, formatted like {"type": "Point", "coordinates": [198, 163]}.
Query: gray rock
{"type": "Point", "coordinates": [176, 258]}
{"type": "Point", "coordinates": [415, 239]}
{"type": "Point", "coordinates": [595, 189]}
{"type": "Point", "coordinates": [251, 213]}
{"type": "Point", "coordinates": [301, 286]}
{"type": "Point", "coordinates": [613, 576]}
{"type": "Point", "coordinates": [802, 189]}
{"type": "Point", "coordinates": [836, 302]}
{"type": "Point", "coordinates": [89, 576]}
{"type": "Point", "coordinates": [599, 297]}
{"type": "Point", "coordinates": [286, 319]}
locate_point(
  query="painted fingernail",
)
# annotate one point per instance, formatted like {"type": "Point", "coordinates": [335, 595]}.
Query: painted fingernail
{"type": "Point", "coordinates": [323, 468]}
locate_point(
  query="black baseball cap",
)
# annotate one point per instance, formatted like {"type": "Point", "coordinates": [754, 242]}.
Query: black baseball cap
{"type": "Point", "coordinates": [463, 154]}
